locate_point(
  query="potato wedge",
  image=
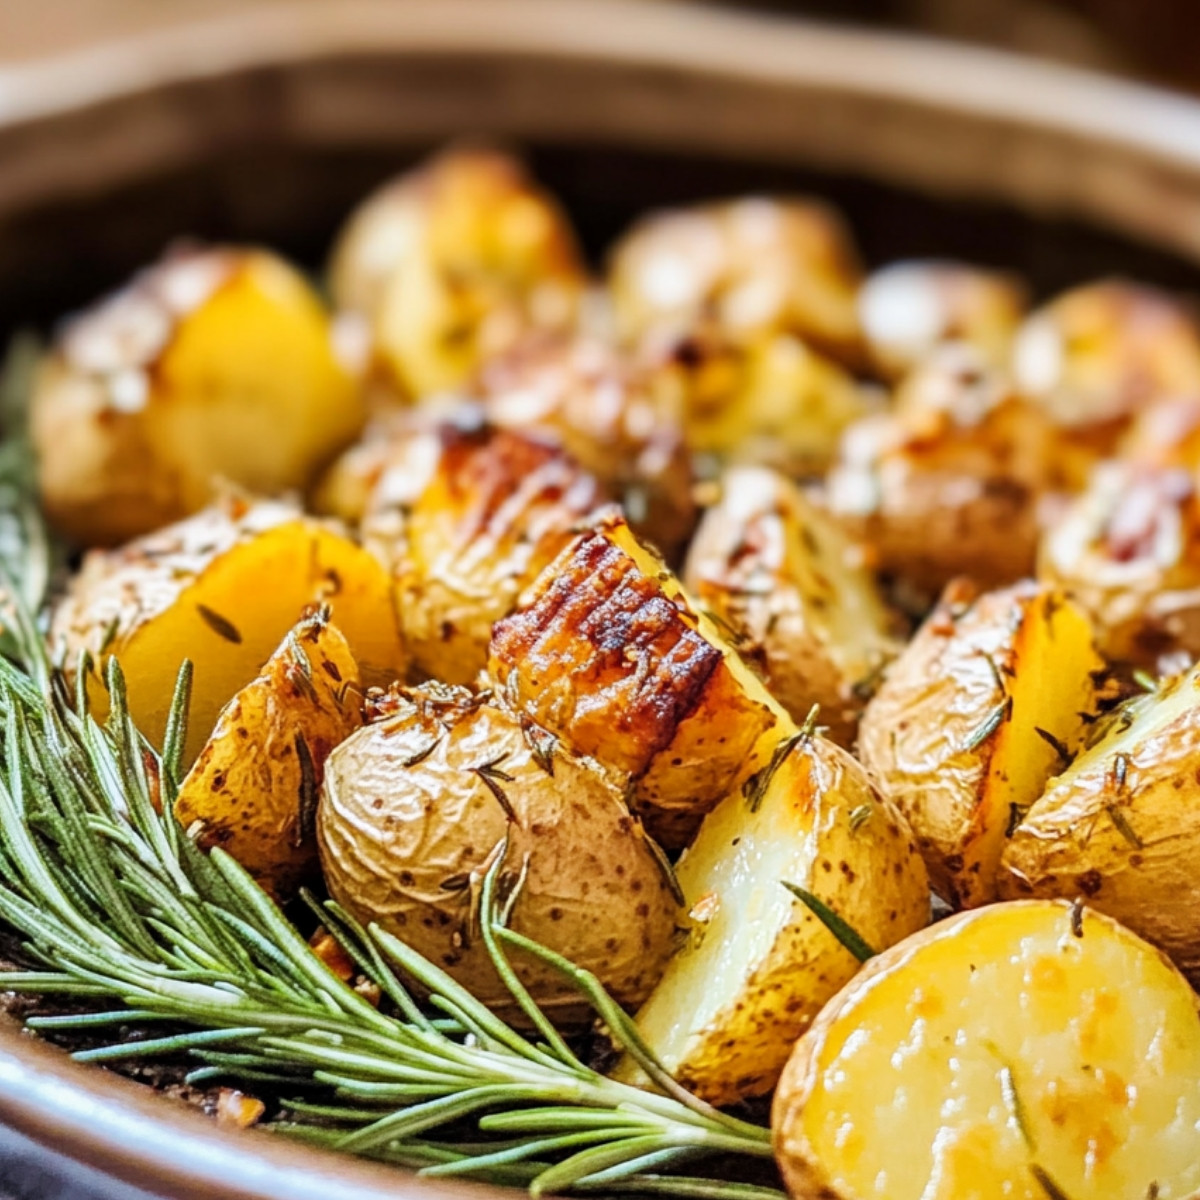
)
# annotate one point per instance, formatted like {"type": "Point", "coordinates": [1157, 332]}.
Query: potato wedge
{"type": "Point", "coordinates": [755, 264]}
{"type": "Point", "coordinates": [466, 517]}
{"type": "Point", "coordinates": [907, 309]}
{"type": "Point", "coordinates": [1121, 824]}
{"type": "Point", "coordinates": [759, 965]}
{"type": "Point", "coordinates": [212, 365]}
{"type": "Point", "coordinates": [253, 789]}
{"type": "Point", "coordinates": [451, 263]}
{"type": "Point", "coordinates": [414, 807]}
{"type": "Point", "coordinates": [222, 589]}
{"type": "Point", "coordinates": [979, 710]}
{"type": "Point", "coordinates": [793, 590]}
{"type": "Point", "coordinates": [1128, 549]}
{"type": "Point", "coordinates": [608, 652]}
{"type": "Point", "coordinates": [1020, 1052]}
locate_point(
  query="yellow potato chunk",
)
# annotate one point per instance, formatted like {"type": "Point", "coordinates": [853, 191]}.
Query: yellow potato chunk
{"type": "Point", "coordinates": [221, 589]}
{"type": "Point", "coordinates": [413, 811]}
{"type": "Point", "coordinates": [1020, 1052]}
{"type": "Point", "coordinates": [253, 790]}
{"type": "Point", "coordinates": [451, 263]}
{"type": "Point", "coordinates": [986, 702]}
{"type": "Point", "coordinates": [795, 595]}
{"type": "Point", "coordinates": [1121, 825]}
{"type": "Point", "coordinates": [758, 964]}
{"type": "Point", "coordinates": [608, 652]}
{"type": "Point", "coordinates": [212, 365]}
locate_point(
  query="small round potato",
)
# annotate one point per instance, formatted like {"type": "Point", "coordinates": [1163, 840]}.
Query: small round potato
{"type": "Point", "coordinates": [451, 263]}
{"type": "Point", "coordinates": [415, 806]}
{"type": "Point", "coordinates": [213, 365]}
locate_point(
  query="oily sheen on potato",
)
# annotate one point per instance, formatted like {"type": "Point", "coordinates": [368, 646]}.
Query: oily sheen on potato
{"type": "Point", "coordinates": [1023, 1051]}
{"type": "Point", "coordinates": [985, 703]}
{"type": "Point", "coordinates": [758, 965]}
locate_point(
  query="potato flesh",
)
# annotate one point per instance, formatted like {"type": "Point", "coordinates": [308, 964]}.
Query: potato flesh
{"type": "Point", "coordinates": [991, 1044]}
{"type": "Point", "coordinates": [759, 965]}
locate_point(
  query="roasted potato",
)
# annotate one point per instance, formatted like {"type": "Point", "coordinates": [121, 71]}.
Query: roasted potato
{"type": "Point", "coordinates": [415, 806]}
{"type": "Point", "coordinates": [986, 702]}
{"type": "Point", "coordinates": [755, 265]}
{"type": "Point", "coordinates": [213, 365]}
{"type": "Point", "coordinates": [907, 309]}
{"type": "Point", "coordinates": [452, 263]}
{"type": "Point", "coordinates": [253, 790]}
{"type": "Point", "coordinates": [1098, 354]}
{"type": "Point", "coordinates": [610, 416]}
{"type": "Point", "coordinates": [1129, 550]}
{"type": "Point", "coordinates": [609, 653]}
{"type": "Point", "coordinates": [795, 594]}
{"type": "Point", "coordinates": [222, 589]}
{"type": "Point", "coordinates": [1121, 825]}
{"type": "Point", "coordinates": [466, 517]}
{"type": "Point", "coordinates": [758, 964]}
{"type": "Point", "coordinates": [1021, 1052]}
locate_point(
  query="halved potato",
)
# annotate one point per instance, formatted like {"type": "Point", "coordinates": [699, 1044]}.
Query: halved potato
{"type": "Point", "coordinates": [253, 790]}
{"type": "Point", "coordinates": [1128, 549]}
{"type": "Point", "coordinates": [907, 309]}
{"type": "Point", "coordinates": [754, 265]}
{"type": "Point", "coordinates": [979, 710]}
{"type": "Point", "coordinates": [414, 809]}
{"type": "Point", "coordinates": [222, 589]}
{"type": "Point", "coordinates": [212, 365]}
{"type": "Point", "coordinates": [758, 964]}
{"type": "Point", "coordinates": [796, 595]}
{"type": "Point", "coordinates": [609, 653]}
{"type": "Point", "coordinates": [451, 263]}
{"type": "Point", "coordinates": [466, 517]}
{"type": "Point", "coordinates": [1027, 1051]}
{"type": "Point", "coordinates": [1121, 825]}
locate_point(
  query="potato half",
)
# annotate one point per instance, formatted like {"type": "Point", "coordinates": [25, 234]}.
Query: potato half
{"type": "Point", "coordinates": [451, 263]}
{"type": "Point", "coordinates": [759, 965]}
{"type": "Point", "coordinates": [212, 365]}
{"type": "Point", "coordinates": [1121, 825]}
{"type": "Point", "coordinates": [466, 517]}
{"type": "Point", "coordinates": [222, 589]}
{"type": "Point", "coordinates": [414, 807]}
{"type": "Point", "coordinates": [608, 652]}
{"type": "Point", "coordinates": [253, 790]}
{"type": "Point", "coordinates": [793, 590]}
{"type": "Point", "coordinates": [1022, 1052]}
{"type": "Point", "coordinates": [986, 702]}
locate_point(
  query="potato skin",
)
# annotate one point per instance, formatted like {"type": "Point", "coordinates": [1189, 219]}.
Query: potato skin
{"type": "Point", "coordinates": [211, 364]}
{"type": "Point", "coordinates": [411, 815]}
{"type": "Point", "coordinates": [253, 789]}
{"type": "Point", "coordinates": [792, 588]}
{"type": "Point", "coordinates": [466, 517]}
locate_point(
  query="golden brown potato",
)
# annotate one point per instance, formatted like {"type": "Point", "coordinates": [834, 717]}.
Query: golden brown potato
{"type": "Point", "coordinates": [609, 653]}
{"type": "Point", "coordinates": [414, 808]}
{"type": "Point", "coordinates": [795, 595]}
{"type": "Point", "coordinates": [758, 964]}
{"type": "Point", "coordinates": [1021, 1052]}
{"type": "Point", "coordinates": [253, 790]}
{"type": "Point", "coordinates": [212, 365]}
{"type": "Point", "coordinates": [983, 705]}
{"type": "Point", "coordinates": [466, 518]}
{"type": "Point", "coordinates": [609, 416]}
{"type": "Point", "coordinates": [1129, 550]}
{"type": "Point", "coordinates": [1097, 354]}
{"type": "Point", "coordinates": [907, 309]}
{"type": "Point", "coordinates": [1121, 824]}
{"type": "Point", "coordinates": [755, 265]}
{"type": "Point", "coordinates": [222, 589]}
{"type": "Point", "coordinates": [451, 263]}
